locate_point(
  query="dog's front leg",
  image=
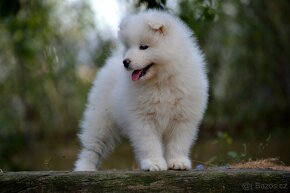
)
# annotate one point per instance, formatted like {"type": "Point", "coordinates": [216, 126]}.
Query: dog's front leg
{"type": "Point", "coordinates": [148, 147]}
{"type": "Point", "coordinates": [177, 145]}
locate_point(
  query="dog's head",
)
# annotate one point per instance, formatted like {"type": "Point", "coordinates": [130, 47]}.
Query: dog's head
{"type": "Point", "coordinates": [149, 43]}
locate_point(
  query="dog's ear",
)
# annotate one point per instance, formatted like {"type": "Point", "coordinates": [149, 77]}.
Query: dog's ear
{"type": "Point", "coordinates": [158, 27]}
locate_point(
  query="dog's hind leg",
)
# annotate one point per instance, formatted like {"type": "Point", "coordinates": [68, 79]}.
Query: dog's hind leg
{"type": "Point", "coordinates": [98, 137]}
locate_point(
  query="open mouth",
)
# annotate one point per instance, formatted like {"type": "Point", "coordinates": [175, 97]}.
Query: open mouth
{"type": "Point", "coordinates": [137, 74]}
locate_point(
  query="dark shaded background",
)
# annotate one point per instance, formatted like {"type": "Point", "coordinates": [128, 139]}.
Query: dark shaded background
{"type": "Point", "coordinates": [44, 81]}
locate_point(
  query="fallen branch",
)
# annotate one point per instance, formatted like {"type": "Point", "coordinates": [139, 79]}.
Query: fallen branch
{"type": "Point", "coordinates": [212, 180]}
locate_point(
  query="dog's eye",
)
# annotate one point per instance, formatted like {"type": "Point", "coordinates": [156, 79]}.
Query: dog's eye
{"type": "Point", "coordinates": [143, 47]}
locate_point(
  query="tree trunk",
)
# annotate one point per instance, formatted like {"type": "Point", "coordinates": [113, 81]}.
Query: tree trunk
{"type": "Point", "coordinates": [217, 180]}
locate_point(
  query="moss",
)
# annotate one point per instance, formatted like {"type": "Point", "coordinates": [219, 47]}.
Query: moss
{"type": "Point", "coordinates": [213, 180]}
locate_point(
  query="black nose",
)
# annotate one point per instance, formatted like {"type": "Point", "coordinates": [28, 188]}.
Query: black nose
{"type": "Point", "coordinates": [126, 63]}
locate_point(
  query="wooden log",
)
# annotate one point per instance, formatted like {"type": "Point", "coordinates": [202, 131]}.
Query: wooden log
{"type": "Point", "coordinates": [218, 180]}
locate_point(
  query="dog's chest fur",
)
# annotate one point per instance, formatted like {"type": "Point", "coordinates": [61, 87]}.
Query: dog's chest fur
{"type": "Point", "coordinates": [163, 106]}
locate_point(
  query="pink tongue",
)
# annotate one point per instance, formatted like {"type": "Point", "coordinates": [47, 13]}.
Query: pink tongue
{"type": "Point", "coordinates": [136, 75]}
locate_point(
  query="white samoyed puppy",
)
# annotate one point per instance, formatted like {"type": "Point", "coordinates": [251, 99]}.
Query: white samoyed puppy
{"type": "Point", "coordinates": [153, 89]}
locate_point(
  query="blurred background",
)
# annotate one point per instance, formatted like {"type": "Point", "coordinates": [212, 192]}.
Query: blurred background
{"type": "Point", "coordinates": [51, 50]}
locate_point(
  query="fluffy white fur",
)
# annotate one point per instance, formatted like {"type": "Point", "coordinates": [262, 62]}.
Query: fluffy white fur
{"type": "Point", "coordinates": [159, 112]}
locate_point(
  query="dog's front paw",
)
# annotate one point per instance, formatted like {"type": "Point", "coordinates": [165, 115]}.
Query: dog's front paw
{"type": "Point", "coordinates": [153, 164]}
{"type": "Point", "coordinates": [179, 164]}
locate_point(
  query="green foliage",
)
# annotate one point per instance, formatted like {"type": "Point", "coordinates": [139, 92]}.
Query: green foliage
{"type": "Point", "coordinates": [151, 4]}
{"type": "Point", "coordinates": [245, 43]}
{"type": "Point", "coordinates": [229, 153]}
{"type": "Point", "coordinates": [224, 142]}
{"type": "Point", "coordinates": [44, 84]}
{"type": "Point", "coordinates": [42, 93]}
